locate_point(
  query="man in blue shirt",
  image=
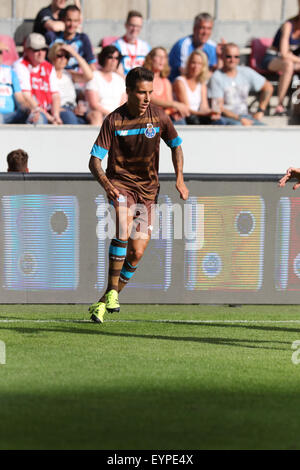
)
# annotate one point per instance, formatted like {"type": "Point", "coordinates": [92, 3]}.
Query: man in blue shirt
{"type": "Point", "coordinates": [203, 25]}
{"type": "Point", "coordinates": [80, 41]}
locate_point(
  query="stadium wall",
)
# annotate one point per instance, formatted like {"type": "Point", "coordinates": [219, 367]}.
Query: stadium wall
{"type": "Point", "coordinates": [236, 240]}
{"type": "Point", "coordinates": [207, 149]}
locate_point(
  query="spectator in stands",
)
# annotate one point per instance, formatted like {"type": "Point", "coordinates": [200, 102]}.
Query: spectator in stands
{"type": "Point", "coordinates": [131, 47]}
{"type": "Point", "coordinates": [50, 18]}
{"type": "Point", "coordinates": [106, 91]}
{"type": "Point", "coordinates": [13, 108]}
{"type": "Point", "coordinates": [284, 57]}
{"type": "Point", "coordinates": [157, 62]}
{"type": "Point", "coordinates": [17, 161]}
{"type": "Point", "coordinates": [38, 81]}
{"type": "Point", "coordinates": [71, 112]}
{"type": "Point", "coordinates": [231, 87]}
{"type": "Point", "coordinates": [79, 41]}
{"type": "Point", "coordinates": [190, 88]}
{"type": "Point", "coordinates": [202, 30]}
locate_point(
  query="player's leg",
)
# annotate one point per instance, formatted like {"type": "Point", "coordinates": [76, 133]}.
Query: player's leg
{"type": "Point", "coordinates": [135, 251]}
{"type": "Point", "coordinates": [144, 214]}
{"type": "Point", "coordinates": [109, 301]}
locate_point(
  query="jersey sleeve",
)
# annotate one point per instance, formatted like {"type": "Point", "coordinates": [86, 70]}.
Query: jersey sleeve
{"type": "Point", "coordinates": [169, 133]}
{"type": "Point", "coordinates": [23, 76]}
{"type": "Point", "coordinates": [88, 50]}
{"type": "Point", "coordinates": [15, 82]}
{"type": "Point", "coordinates": [104, 140]}
{"type": "Point", "coordinates": [54, 87]}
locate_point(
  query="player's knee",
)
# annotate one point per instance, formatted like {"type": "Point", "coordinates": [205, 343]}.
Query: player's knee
{"type": "Point", "coordinates": [135, 254]}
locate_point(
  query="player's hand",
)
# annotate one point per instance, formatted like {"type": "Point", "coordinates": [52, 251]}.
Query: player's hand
{"type": "Point", "coordinates": [183, 191]}
{"type": "Point", "coordinates": [290, 173]}
{"type": "Point", "coordinates": [246, 122]}
{"type": "Point", "coordinates": [112, 192]}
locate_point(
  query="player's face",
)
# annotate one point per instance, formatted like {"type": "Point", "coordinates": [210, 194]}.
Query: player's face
{"type": "Point", "coordinates": [231, 57]}
{"type": "Point", "coordinates": [202, 32]}
{"type": "Point", "coordinates": [72, 21]}
{"type": "Point", "coordinates": [133, 28]}
{"type": "Point", "coordinates": [139, 98]}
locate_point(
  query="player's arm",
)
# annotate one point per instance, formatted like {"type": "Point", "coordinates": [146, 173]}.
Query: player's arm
{"type": "Point", "coordinates": [290, 173]}
{"type": "Point", "coordinates": [97, 171]}
{"type": "Point", "coordinates": [177, 158]}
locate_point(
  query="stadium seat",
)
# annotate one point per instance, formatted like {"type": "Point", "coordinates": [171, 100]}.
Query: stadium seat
{"type": "Point", "coordinates": [258, 49]}
{"type": "Point", "coordinates": [108, 40]}
{"type": "Point", "coordinates": [10, 56]}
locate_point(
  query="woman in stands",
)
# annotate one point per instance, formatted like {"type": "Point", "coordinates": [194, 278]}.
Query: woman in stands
{"type": "Point", "coordinates": [157, 62]}
{"type": "Point", "coordinates": [106, 91]}
{"type": "Point", "coordinates": [71, 112]}
{"type": "Point", "coordinates": [284, 57]}
{"type": "Point", "coordinates": [190, 88]}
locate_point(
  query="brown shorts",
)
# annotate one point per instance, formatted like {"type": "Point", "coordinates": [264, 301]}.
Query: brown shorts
{"type": "Point", "coordinates": [142, 209]}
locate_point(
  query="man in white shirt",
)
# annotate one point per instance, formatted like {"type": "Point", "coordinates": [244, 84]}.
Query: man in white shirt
{"type": "Point", "coordinates": [133, 49]}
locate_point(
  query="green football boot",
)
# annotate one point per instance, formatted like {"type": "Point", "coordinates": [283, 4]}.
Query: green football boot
{"type": "Point", "coordinates": [112, 301]}
{"type": "Point", "coordinates": [97, 312]}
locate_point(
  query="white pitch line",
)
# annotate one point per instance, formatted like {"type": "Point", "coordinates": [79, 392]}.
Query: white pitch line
{"type": "Point", "coordinates": [15, 320]}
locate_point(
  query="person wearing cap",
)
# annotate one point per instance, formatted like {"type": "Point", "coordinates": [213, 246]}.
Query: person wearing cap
{"type": "Point", "coordinates": [38, 81]}
{"type": "Point", "coordinates": [12, 103]}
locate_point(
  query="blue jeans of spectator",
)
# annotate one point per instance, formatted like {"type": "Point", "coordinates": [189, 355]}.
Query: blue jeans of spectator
{"type": "Point", "coordinates": [226, 121]}
{"type": "Point", "coordinates": [16, 117]}
{"type": "Point", "coordinates": [69, 117]}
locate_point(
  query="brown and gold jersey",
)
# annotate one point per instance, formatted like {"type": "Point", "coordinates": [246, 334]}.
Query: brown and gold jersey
{"type": "Point", "coordinates": [132, 145]}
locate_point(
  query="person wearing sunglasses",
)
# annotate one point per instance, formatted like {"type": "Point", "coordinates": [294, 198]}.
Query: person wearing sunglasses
{"type": "Point", "coordinates": [38, 81]}
{"type": "Point", "coordinates": [71, 112]}
{"type": "Point", "coordinates": [231, 86]}
{"type": "Point", "coordinates": [106, 91]}
{"type": "Point", "coordinates": [13, 109]}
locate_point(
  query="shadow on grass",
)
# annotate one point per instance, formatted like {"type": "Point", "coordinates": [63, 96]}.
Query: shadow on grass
{"type": "Point", "coordinates": [141, 417]}
{"type": "Point", "coordinates": [97, 330]}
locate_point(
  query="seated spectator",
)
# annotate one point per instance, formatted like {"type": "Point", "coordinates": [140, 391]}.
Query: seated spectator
{"type": "Point", "coordinates": [38, 81]}
{"type": "Point", "coordinates": [79, 41]}
{"type": "Point", "coordinates": [182, 49]}
{"type": "Point", "coordinates": [284, 57]}
{"type": "Point", "coordinates": [17, 161]}
{"type": "Point", "coordinates": [70, 111]}
{"type": "Point", "coordinates": [231, 87]}
{"type": "Point", "coordinates": [50, 18]}
{"type": "Point", "coordinates": [13, 109]}
{"type": "Point", "coordinates": [106, 91]}
{"type": "Point", "coordinates": [131, 47]}
{"type": "Point", "coordinates": [157, 62]}
{"type": "Point", "coordinates": [190, 88]}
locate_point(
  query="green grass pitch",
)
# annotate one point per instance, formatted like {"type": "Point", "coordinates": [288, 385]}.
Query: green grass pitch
{"type": "Point", "coordinates": [152, 377]}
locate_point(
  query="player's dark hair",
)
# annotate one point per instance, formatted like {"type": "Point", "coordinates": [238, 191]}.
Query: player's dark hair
{"type": "Point", "coordinates": [107, 51]}
{"type": "Point", "coordinates": [133, 13]}
{"type": "Point", "coordinates": [138, 74]}
{"type": "Point", "coordinates": [69, 8]}
{"type": "Point", "coordinates": [17, 160]}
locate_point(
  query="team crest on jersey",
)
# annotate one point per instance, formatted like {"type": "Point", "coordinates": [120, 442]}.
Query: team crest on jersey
{"type": "Point", "coordinates": [150, 131]}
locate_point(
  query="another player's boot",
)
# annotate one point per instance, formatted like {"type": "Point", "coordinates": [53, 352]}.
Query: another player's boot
{"type": "Point", "coordinates": [97, 312]}
{"type": "Point", "coordinates": [112, 301]}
